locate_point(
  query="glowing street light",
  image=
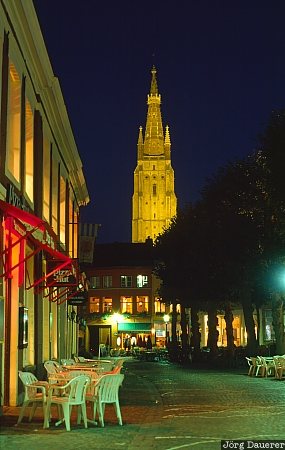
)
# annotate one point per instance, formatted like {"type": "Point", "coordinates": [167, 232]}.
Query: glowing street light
{"type": "Point", "coordinates": [116, 318]}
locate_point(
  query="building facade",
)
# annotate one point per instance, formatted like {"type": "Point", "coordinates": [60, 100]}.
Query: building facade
{"type": "Point", "coordinates": [154, 201]}
{"type": "Point", "coordinates": [123, 300]}
{"type": "Point", "coordinates": [42, 188]}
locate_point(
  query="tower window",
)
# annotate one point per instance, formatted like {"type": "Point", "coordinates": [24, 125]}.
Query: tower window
{"type": "Point", "coordinates": [154, 189]}
{"type": "Point", "coordinates": [153, 167]}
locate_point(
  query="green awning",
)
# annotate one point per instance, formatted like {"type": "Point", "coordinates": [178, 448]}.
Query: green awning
{"type": "Point", "coordinates": [134, 326]}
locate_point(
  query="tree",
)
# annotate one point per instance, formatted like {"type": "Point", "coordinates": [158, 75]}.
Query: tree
{"type": "Point", "coordinates": [272, 145]}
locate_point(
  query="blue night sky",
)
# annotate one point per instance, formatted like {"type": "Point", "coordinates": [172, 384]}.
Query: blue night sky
{"type": "Point", "coordinates": [220, 69]}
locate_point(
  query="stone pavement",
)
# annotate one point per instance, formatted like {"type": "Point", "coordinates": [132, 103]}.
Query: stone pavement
{"type": "Point", "coordinates": [168, 407]}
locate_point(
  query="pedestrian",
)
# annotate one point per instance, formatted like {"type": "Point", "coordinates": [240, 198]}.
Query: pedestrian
{"type": "Point", "coordinates": [149, 343]}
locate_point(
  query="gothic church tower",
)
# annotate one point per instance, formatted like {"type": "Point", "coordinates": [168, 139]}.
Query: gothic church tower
{"type": "Point", "coordinates": [154, 201]}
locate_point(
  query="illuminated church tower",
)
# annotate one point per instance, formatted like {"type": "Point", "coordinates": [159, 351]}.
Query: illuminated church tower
{"type": "Point", "coordinates": [154, 200]}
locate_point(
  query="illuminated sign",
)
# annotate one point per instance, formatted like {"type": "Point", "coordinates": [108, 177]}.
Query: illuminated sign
{"type": "Point", "coordinates": [67, 276]}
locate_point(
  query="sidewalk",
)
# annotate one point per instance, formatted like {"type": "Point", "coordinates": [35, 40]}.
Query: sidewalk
{"type": "Point", "coordinates": [169, 407]}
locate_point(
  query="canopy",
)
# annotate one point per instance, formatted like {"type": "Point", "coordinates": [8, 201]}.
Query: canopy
{"type": "Point", "coordinates": [134, 327]}
{"type": "Point", "coordinates": [26, 225]}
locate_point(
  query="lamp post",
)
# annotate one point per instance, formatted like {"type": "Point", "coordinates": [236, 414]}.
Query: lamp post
{"type": "Point", "coordinates": [71, 316]}
{"type": "Point", "coordinates": [166, 320]}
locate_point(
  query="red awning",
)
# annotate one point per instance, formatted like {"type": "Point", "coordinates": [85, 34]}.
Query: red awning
{"type": "Point", "coordinates": [33, 224]}
{"type": "Point", "coordinates": [12, 211]}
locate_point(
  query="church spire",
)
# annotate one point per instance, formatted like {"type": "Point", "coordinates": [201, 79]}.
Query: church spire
{"type": "Point", "coordinates": [167, 142]}
{"type": "Point", "coordinates": [140, 144]}
{"type": "Point", "coordinates": [153, 87]}
{"type": "Point", "coordinates": [154, 140]}
{"type": "Point", "coordinates": [167, 136]}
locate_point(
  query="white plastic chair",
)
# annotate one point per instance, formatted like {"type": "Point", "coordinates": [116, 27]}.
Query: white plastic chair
{"type": "Point", "coordinates": [251, 366]}
{"type": "Point", "coordinates": [34, 395]}
{"type": "Point", "coordinates": [67, 362]}
{"type": "Point", "coordinates": [106, 392]}
{"type": "Point", "coordinates": [105, 366]}
{"type": "Point", "coordinates": [260, 367]}
{"type": "Point", "coordinates": [53, 369]}
{"type": "Point", "coordinates": [268, 366]}
{"type": "Point", "coordinates": [118, 364]}
{"type": "Point", "coordinates": [67, 396]}
{"type": "Point", "coordinates": [279, 363]}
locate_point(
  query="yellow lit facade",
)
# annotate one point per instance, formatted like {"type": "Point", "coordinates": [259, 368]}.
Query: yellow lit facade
{"type": "Point", "coordinates": [154, 201]}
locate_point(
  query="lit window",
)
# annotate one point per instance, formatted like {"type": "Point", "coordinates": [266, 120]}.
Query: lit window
{"type": "Point", "coordinates": [70, 225]}
{"type": "Point", "coordinates": [178, 308]}
{"type": "Point", "coordinates": [54, 194]}
{"type": "Point", "coordinates": [159, 306]}
{"type": "Point", "coordinates": [142, 303]}
{"type": "Point", "coordinates": [127, 305]}
{"type": "Point", "coordinates": [94, 305]}
{"type": "Point", "coordinates": [94, 282]}
{"type": "Point", "coordinates": [75, 232]}
{"type": "Point", "coordinates": [107, 304]}
{"type": "Point", "coordinates": [14, 123]}
{"type": "Point", "coordinates": [46, 179]}
{"type": "Point", "coordinates": [62, 212]}
{"type": "Point", "coordinates": [142, 281]}
{"type": "Point", "coordinates": [126, 281]}
{"type": "Point", "coordinates": [107, 281]}
{"type": "Point", "coordinates": [29, 156]}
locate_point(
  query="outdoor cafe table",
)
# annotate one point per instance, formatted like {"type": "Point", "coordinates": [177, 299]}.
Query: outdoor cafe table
{"type": "Point", "coordinates": [54, 382]}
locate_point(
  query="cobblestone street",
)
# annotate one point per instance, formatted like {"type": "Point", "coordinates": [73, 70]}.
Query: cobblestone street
{"type": "Point", "coordinates": [165, 406]}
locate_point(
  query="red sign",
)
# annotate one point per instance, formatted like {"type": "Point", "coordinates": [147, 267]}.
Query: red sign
{"type": "Point", "coordinates": [65, 276]}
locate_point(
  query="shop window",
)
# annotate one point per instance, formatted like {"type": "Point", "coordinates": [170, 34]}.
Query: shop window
{"type": "Point", "coordinates": [269, 334]}
{"type": "Point", "coordinates": [107, 304]}
{"type": "Point", "coordinates": [94, 305]}
{"type": "Point", "coordinates": [178, 308]}
{"type": "Point", "coordinates": [126, 305]}
{"type": "Point", "coordinates": [14, 123]}
{"type": "Point", "coordinates": [126, 281]}
{"type": "Point", "coordinates": [159, 306]}
{"type": "Point", "coordinates": [29, 151]}
{"type": "Point", "coordinates": [142, 304]}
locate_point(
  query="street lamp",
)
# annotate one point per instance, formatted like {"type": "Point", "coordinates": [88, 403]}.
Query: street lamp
{"type": "Point", "coordinates": [117, 317]}
{"type": "Point", "coordinates": [166, 319]}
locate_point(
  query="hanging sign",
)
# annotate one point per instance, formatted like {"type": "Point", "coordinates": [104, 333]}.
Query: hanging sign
{"type": "Point", "coordinates": [66, 276]}
{"type": "Point", "coordinates": [80, 298]}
